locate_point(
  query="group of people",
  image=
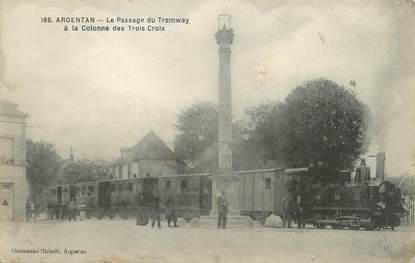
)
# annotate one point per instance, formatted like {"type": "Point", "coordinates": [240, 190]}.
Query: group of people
{"type": "Point", "coordinates": [293, 209]}
{"type": "Point", "coordinates": [32, 210]}
{"type": "Point", "coordinates": [70, 211]}
{"type": "Point", "coordinates": [149, 206]}
{"type": "Point", "coordinates": [383, 215]}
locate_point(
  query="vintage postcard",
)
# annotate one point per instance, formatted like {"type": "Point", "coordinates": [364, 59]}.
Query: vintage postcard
{"type": "Point", "coordinates": [207, 131]}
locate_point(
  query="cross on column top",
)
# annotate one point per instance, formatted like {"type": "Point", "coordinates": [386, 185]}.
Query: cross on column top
{"type": "Point", "coordinates": [224, 21]}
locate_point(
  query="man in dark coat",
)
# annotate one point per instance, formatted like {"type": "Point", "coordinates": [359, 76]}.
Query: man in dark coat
{"type": "Point", "coordinates": [287, 211]}
{"type": "Point", "coordinates": [155, 210]}
{"type": "Point", "coordinates": [171, 211]}
{"type": "Point", "coordinates": [141, 216]}
{"type": "Point", "coordinates": [222, 210]}
{"type": "Point", "coordinates": [299, 212]}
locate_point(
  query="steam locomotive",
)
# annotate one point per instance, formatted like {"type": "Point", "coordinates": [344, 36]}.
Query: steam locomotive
{"type": "Point", "coordinates": [330, 198]}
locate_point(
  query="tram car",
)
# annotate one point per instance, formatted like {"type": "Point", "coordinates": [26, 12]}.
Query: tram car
{"type": "Point", "coordinates": [261, 193]}
{"type": "Point", "coordinates": [330, 198]}
{"type": "Point", "coordinates": [120, 196]}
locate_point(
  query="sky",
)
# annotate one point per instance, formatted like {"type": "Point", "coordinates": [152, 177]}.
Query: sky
{"type": "Point", "coordinates": [99, 91]}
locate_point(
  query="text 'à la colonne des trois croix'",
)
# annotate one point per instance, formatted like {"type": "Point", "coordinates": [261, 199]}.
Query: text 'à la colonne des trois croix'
{"type": "Point", "coordinates": [152, 23]}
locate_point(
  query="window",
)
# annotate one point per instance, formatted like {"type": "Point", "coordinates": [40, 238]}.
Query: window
{"type": "Point", "coordinates": [267, 183]}
{"type": "Point", "coordinates": [129, 170]}
{"type": "Point", "coordinates": [6, 150]}
{"type": "Point", "coordinates": [135, 175]}
{"type": "Point", "coordinates": [90, 190]}
{"type": "Point", "coordinates": [53, 192]}
{"type": "Point", "coordinates": [148, 174]}
{"type": "Point", "coordinates": [183, 185]}
{"type": "Point", "coordinates": [168, 184]}
{"type": "Point", "coordinates": [113, 188]}
{"type": "Point", "coordinates": [130, 186]}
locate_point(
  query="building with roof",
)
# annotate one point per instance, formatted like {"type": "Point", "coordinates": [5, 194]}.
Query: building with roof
{"type": "Point", "coordinates": [13, 184]}
{"type": "Point", "coordinates": [149, 157]}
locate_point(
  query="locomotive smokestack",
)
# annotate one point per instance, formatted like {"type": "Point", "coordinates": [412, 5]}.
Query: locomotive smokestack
{"type": "Point", "coordinates": [380, 166]}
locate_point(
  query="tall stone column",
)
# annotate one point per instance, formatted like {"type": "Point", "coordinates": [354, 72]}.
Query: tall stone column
{"type": "Point", "coordinates": [225, 180]}
{"type": "Point", "coordinates": [224, 38]}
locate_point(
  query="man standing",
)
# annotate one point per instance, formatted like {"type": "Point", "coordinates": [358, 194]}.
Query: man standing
{"type": "Point", "coordinates": [287, 211]}
{"type": "Point", "coordinates": [155, 210]}
{"type": "Point", "coordinates": [141, 207]}
{"type": "Point", "coordinates": [171, 211]}
{"type": "Point", "coordinates": [222, 210]}
{"type": "Point", "coordinates": [71, 210]}
{"type": "Point", "coordinates": [299, 212]}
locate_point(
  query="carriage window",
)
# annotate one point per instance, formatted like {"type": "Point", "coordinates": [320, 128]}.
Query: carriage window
{"type": "Point", "coordinates": [129, 170]}
{"type": "Point", "coordinates": [113, 188]}
{"type": "Point", "coordinates": [130, 186]}
{"type": "Point", "coordinates": [90, 190]}
{"type": "Point", "coordinates": [168, 184]}
{"type": "Point", "coordinates": [183, 185]}
{"type": "Point", "coordinates": [267, 183]}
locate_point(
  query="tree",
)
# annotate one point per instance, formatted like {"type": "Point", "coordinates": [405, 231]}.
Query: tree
{"type": "Point", "coordinates": [251, 147]}
{"type": "Point", "coordinates": [84, 170]}
{"type": "Point", "coordinates": [42, 167]}
{"type": "Point", "coordinates": [320, 122]}
{"type": "Point", "coordinates": [196, 144]}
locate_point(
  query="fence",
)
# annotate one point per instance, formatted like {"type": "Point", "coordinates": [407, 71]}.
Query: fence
{"type": "Point", "coordinates": [409, 218]}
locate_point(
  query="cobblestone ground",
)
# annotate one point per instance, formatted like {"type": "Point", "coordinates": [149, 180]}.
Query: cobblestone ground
{"type": "Point", "coordinates": [123, 241]}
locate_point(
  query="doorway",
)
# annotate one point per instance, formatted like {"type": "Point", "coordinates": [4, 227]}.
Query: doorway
{"type": "Point", "coordinates": [6, 201]}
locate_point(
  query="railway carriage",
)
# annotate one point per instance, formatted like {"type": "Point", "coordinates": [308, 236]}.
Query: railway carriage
{"type": "Point", "coordinates": [262, 192]}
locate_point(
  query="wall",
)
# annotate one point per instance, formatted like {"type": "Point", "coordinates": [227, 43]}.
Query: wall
{"type": "Point", "coordinates": [156, 167]}
{"type": "Point", "coordinates": [13, 174]}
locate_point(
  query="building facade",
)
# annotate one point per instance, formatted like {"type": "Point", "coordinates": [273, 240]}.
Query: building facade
{"type": "Point", "coordinates": [13, 184]}
{"type": "Point", "coordinates": [149, 157]}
